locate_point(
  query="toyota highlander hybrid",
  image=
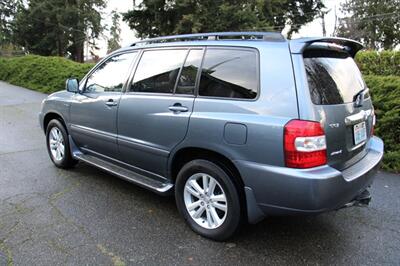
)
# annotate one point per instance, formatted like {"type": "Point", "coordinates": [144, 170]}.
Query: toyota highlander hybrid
{"type": "Point", "coordinates": [238, 125]}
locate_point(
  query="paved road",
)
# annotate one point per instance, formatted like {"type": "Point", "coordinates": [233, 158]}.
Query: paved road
{"type": "Point", "coordinates": [50, 216]}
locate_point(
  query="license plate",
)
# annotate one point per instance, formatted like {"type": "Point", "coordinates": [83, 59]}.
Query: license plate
{"type": "Point", "coordinates": [360, 133]}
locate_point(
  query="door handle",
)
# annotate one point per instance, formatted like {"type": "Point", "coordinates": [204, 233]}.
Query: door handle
{"type": "Point", "coordinates": [177, 108]}
{"type": "Point", "coordinates": [357, 118]}
{"type": "Point", "coordinates": [111, 102]}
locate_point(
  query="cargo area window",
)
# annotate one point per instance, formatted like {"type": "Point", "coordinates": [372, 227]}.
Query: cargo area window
{"type": "Point", "coordinates": [333, 77]}
{"type": "Point", "coordinates": [229, 73]}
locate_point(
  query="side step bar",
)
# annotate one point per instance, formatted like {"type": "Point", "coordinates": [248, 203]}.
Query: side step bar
{"type": "Point", "coordinates": [133, 177]}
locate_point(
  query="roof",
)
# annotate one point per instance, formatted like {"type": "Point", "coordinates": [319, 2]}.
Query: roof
{"type": "Point", "coordinates": [250, 39]}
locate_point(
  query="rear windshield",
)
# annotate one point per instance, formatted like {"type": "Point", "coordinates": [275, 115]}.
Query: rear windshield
{"type": "Point", "coordinates": [333, 77]}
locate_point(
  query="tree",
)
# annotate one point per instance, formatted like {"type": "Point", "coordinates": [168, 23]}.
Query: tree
{"type": "Point", "coordinates": [38, 28]}
{"type": "Point", "coordinates": [84, 18]}
{"type": "Point", "coordinates": [375, 23]}
{"type": "Point", "coordinates": [58, 27]}
{"type": "Point", "coordinates": [8, 10]}
{"type": "Point", "coordinates": [115, 32]}
{"type": "Point", "coordinates": [165, 17]}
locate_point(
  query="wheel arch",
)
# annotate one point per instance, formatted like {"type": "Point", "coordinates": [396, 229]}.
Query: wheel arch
{"type": "Point", "coordinates": [53, 115]}
{"type": "Point", "coordinates": [186, 154]}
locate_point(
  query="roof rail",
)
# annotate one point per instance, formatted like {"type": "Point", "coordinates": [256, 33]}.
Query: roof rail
{"type": "Point", "coordinates": [251, 35]}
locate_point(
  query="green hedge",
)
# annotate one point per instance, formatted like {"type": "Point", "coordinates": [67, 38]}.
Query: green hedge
{"type": "Point", "coordinates": [44, 74]}
{"type": "Point", "coordinates": [385, 92]}
{"type": "Point", "coordinates": [383, 63]}
{"type": "Point", "coordinates": [381, 72]}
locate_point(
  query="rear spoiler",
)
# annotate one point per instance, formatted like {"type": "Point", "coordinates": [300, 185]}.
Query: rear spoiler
{"type": "Point", "coordinates": [298, 46]}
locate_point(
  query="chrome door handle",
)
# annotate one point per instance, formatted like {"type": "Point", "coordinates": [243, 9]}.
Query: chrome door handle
{"type": "Point", "coordinates": [357, 118]}
{"type": "Point", "coordinates": [111, 103]}
{"type": "Point", "coordinates": [178, 108]}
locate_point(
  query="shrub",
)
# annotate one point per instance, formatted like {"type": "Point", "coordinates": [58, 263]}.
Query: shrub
{"type": "Point", "coordinates": [385, 92]}
{"type": "Point", "coordinates": [379, 63]}
{"type": "Point", "coordinates": [44, 74]}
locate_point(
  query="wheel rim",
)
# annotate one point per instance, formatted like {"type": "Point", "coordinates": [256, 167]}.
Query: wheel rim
{"type": "Point", "coordinates": [205, 201]}
{"type": "Point", "coordinates": [56, 144]}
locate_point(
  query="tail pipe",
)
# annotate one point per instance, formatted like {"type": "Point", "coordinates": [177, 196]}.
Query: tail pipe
{"type": "Point", "coordinates": [360, 201]}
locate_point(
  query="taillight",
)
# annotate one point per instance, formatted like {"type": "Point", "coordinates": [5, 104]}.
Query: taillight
{"type": "Point", "coordinates": [305, 144]}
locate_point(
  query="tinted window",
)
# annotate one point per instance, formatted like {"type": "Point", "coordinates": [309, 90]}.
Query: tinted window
{"type": "Point", "coordinates": [111, 75]}
{"type": "Point", "coordinates": [157, 71]}
{"type": "Point", "coordinates": [229, 73]}
{"type": "Point", "coordinates": [187, 79]}
{"type": "Point", "coordinates": [333, 78]}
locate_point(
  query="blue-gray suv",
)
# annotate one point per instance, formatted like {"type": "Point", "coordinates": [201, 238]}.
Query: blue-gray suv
{"type": "Point", "coordinates": [239, 125]}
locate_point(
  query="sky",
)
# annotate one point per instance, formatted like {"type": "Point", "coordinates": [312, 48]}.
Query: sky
{"type": "Point", "coordinates": [314, 28]}
{"type": "Point", "coordinates": [128, 36]}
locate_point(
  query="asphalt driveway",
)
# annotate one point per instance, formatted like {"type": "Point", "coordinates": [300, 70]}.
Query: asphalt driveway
{"type": "Point", "coordinates": [83, 216]}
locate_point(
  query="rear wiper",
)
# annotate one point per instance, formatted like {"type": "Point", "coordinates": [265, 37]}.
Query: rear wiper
{"type": "Point", "coordinates": [358, 98]}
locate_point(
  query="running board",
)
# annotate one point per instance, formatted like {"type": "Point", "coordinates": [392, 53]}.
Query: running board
{"type": "Point", "coordinates": [133, 177]}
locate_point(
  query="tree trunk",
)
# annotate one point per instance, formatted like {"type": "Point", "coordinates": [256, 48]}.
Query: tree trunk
{"type": "Point", "coordinates": [77, 47]}
{"type": "Point", "coordinates": [59, 49]}
{"type": "Point", "coordinates": [79, 57]}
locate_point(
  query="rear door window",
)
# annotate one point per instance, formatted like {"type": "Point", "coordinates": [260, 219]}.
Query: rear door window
{"type": "Point", "coordinates": [187, 79]}
{"type": "Point", "coordinates": [333, 77]}
{"type": "Point", "coordinates": [229, 73]}
{"type": "Point", "coordinates": [157, 71]}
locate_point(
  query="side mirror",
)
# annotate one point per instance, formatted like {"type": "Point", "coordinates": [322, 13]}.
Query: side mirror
{"type": "Point", "coordinates": [72, 85]}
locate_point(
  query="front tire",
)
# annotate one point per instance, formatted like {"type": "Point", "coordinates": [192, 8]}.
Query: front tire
{"type": "Point", "coordinates": [208, 200]}
{"type": "Point", "coordinates": [58, 145]}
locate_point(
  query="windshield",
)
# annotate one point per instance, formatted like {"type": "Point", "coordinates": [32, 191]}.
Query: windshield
{"type": "Point", "coordinates": [333, 77]}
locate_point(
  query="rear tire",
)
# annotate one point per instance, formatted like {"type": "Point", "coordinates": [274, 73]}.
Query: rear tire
{"type": "Point", "coordinates": [208, 200]}
{"type": "Point", "coordinates": [58, 145]}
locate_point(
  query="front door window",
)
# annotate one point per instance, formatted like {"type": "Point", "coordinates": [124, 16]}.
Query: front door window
{"type": "Point", "coordinates": [111, 75]}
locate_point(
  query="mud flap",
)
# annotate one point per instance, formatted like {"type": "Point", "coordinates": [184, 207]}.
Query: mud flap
{"type": "Point", "coordinates": [254, 213]}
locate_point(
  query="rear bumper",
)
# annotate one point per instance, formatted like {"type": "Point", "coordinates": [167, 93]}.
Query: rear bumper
{"type": "Point", "coordinates": [272, 190]}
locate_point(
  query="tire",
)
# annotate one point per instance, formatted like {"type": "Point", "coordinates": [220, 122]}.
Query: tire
{"type": "Point", "coordinates": [65, 161]}
{"type": "Point", "coordinates": [228, 222]}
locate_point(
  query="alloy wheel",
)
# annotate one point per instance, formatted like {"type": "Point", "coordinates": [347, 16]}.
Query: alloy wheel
{"type": "Point", "coordinates": [56, 144]}
{"type": "Point", "coordinates": [205, 200]}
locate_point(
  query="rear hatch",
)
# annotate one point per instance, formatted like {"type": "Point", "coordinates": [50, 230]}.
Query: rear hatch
{"type": "Point", "coordinates": [341, 98]}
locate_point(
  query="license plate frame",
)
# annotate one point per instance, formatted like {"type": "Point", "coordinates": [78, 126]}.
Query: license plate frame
{"type": "Point", "coordinates": [359, 133]}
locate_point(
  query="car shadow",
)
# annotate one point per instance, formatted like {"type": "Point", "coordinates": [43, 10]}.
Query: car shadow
{"type": "Point", "coordinates": [293, 237]}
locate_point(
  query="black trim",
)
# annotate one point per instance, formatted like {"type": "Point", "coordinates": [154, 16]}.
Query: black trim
{"type": "Point", "coordinates": [131, 143]}
{"type": "Point", "coordinates": [109, 137]}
